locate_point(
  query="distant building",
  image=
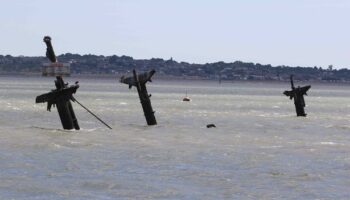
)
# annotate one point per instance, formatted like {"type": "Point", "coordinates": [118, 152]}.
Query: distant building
{"type": "Point", "coordinates": [56, 69]}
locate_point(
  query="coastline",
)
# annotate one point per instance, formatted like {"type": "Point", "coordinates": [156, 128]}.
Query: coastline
{"type": "Point", "coordinates": [177, 78]}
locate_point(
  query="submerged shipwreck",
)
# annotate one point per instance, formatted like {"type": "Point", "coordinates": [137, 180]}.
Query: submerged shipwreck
{"type": "Point", "coordinates": [298, 95]}
{"type": "Point", "coordinates": [139, 81]}
{"type": "Point", "coordinates": [62, 96]}
{"type": "Point", "coordinates": [54, 68]}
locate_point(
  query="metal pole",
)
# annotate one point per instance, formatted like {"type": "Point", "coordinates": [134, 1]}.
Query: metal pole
{"type": "Point", "coordinates": [92, 113]}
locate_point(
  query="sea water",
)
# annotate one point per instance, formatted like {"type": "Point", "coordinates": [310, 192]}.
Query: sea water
{"type": "Point", "coordinates": [259, 150]}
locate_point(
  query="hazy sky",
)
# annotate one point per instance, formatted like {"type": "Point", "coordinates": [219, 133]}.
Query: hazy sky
{"type": "Point", "coordinates": [277, 32]}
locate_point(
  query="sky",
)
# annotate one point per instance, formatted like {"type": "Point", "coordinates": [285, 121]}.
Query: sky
{"type": "Point", "coordinates": [278, 32]}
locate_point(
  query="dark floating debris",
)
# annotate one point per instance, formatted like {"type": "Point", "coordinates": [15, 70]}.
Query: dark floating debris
{"type": "Point", "coordinates": [186, 98]}
{"type": "Point", "coordinates": [298, 95]}
{"type": "Point", "coordinates": [211, 126]}
{"type": "Point", "coordinates": [139, 81]}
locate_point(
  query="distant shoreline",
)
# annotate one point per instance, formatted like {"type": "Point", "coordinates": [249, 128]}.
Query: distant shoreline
{"type": "Point", "coordinates": [105, 66]}
{"type": "Point", "coordinates": [175, 78]}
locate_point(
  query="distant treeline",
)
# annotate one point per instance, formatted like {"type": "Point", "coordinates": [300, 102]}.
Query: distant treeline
{"type": "Point", "coordinates": [93, 64]}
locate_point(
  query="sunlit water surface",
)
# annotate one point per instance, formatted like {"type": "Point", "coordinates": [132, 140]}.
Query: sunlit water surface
{"type": "Point", "coordinates": [259, 149]}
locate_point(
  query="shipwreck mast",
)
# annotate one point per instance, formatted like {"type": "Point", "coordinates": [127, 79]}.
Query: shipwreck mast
{"type": "Point", "coordinates": [139, 81]}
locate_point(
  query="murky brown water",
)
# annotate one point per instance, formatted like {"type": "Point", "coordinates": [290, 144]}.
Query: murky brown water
{"type": "Point", "coordinates": [259, 149]}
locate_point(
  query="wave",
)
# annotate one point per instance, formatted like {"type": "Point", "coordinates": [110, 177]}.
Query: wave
{"type": "Point", "coordinates": [344, 127]}
{"type": "Point", "coordinates": [52, 129]}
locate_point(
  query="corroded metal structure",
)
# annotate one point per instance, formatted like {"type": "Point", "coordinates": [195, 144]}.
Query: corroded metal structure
{"type": "Point", "coordinates": [54, 68]}
{"type": "Point", "coordinates": [61, 98]}
{"type": "Point", "coordinates": [298, 95]}
{"type": "Point", "coordinates": [139, 81]}
{"type": "Point", "coordinates": [50, 53]}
